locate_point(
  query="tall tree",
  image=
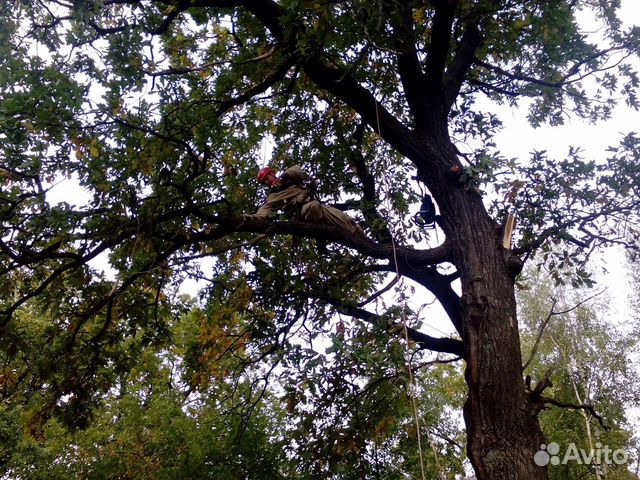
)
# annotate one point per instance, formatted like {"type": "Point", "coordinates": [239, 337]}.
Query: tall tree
{"type": "Point", "coordinates": [572, 338]}
{"type": "Point", "coordinates": [161, 110]}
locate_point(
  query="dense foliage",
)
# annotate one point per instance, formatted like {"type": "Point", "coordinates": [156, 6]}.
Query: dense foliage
{"type": "Point", "coordinates": [341, 406]}
{"type": "Point", "coordinates": [162, 111]}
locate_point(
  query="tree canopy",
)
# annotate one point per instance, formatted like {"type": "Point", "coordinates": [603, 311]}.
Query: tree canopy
{"type": "Point", "coordinates": [164, 110]}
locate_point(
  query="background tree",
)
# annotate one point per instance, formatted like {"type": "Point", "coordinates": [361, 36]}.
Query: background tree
{"type": "Point", "coordinates": [570, 337]}
{"type": "Point", "coordinates": [161, 109]}
{"type": "Point", "coordinates": [150, 425]}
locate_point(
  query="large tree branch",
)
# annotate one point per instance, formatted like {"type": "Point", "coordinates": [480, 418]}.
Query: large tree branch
{"type": "Point", "coordinates": [461, 63]}
{"type": "Point", "coordinates": [332, 79]}
{"type": "Point", "coordinates": [572, 74]}
{"type": "Point", "coordinates": [573, 406]}
{"type": "Point", "coordinates": [519, 76]}
{"type": "Point", "coordinates": [76, 260]}
{"type": "Point", "coordinates": [580, 222]}
{"type": "Point", "coordinates": [28, 257]}
{"type": "Point", "coordinates": [424, 341]}
{"type": "Point", "coordinates": [409, 67]}
{"type": "Point", "coordinates": [440, 286]}
{"type": "Point", "coordinates": [404, 260]}
{"type": "Point", "coordinates": [225, 225]}
{"type": "Point", "coordinates": [329, 77]}
{"type": "Point", "coordinates": [439, 46]}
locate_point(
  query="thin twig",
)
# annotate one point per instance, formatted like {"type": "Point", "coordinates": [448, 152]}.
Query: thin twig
{"type": "Point", "coordinates": [551, 314]}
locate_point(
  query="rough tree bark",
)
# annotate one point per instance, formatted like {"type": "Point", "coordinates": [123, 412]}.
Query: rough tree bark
{"type": "Point", "coordinates": [502, 427]}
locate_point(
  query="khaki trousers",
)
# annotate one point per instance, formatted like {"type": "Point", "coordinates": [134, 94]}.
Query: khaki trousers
{"type": "Point", "coordinates": [315, 212]}
{"type": "Point", "coordinates": [312, 211]}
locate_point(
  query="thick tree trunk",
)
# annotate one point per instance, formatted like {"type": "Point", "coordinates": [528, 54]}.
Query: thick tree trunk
{"type": "Point", "coordinates": [502, 425]}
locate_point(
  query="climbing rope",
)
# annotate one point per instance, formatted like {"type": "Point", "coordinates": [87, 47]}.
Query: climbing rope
{"type": "Point", "coordinates": [408, 356]}
{"type": "Point", "coordinates": [406, 333]}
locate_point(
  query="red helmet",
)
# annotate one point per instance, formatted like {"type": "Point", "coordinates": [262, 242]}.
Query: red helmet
{"type": "Point", "coordinates": [262, 174]}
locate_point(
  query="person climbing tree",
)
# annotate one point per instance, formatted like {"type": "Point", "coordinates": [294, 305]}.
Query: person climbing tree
{"type": "Point", "coordinates": [294, 194]}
